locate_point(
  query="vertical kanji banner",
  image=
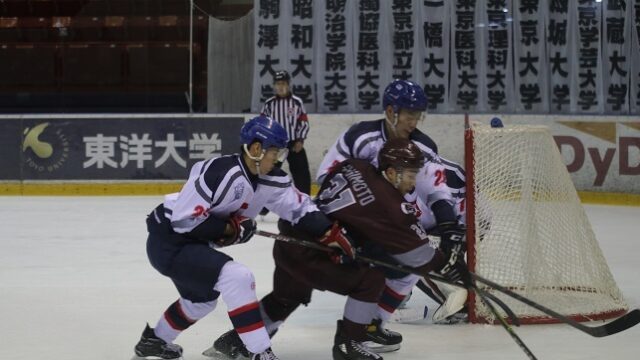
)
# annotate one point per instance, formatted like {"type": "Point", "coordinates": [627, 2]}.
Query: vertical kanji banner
{"type": "Point", "coordinates": [271, 33]}
{"type": "Point", "coordinates": [371, 30]}
{"type": "Point", "coordinates": [433, 38]}
{"type": "Point", "coordinates": [335, 56]}
{"type": "Point", "coordinates": [561, 44]}
{"type": "Point", "coordinates": [404, 34]}
{"type": "Point", "coordinates": [496, 68]}
{"type": "Point", "coordinates": [635, 56]}
{"type": "Point", "coordinates": [616, 56]}
{"type": "Point", "coordinates": [465, 93]}
{"type": "Point", "coordinates": [588, 56]}
{"type": "Point", "coordinates": [300, 44]}
{"type": "Point", "coordinates": [531, 72]}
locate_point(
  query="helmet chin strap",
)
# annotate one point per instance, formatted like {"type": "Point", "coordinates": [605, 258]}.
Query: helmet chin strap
{"type": "Point", "coordinates": [256, 159]}
{"type": "Point", "coordinates": [396, 184]}
{"type": "Point", "coordinates": [393, 124]}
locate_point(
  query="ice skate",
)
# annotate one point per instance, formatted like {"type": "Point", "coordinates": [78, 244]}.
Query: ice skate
{"type": "Point", "coordinates": [152, 347]}
{"type": "Point", "coordinates": [347, 349]}
{"type": "Point", "coordinates": [381, 340]}
{"type": "Point", "coordinates": [228, 346]}
{"type": "Point", "coordinates": [265, 355]}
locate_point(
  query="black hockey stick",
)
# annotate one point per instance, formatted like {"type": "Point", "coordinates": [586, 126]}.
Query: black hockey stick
{"type": "Point", "coordinates": [622, 323]}
{"type": "Point", "coordinates": [397, 267]}
{"type": "Point", "coordinates": [427, 289]}
{"type": "Point", "coordinates": [485, 296]}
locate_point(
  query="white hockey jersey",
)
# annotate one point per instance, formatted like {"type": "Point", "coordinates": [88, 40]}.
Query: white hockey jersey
{"type": "Point", "coordinates": [223, 186]}
{"type": "Point", "coordinates": [365, 139]}
{"type": "Point", "coordinates": [456, 182]}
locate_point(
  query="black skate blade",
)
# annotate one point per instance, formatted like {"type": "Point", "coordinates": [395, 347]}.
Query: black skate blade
{"type": "Point", "coordinates": [136, 357]}
{"type": "Point", "coordinates": [379, 348]}
{"type": "Point", "coordinates": [215, 354]}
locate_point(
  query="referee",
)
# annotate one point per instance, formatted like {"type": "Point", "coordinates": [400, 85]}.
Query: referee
{"type": "Point", "coordinates": [288, 110]}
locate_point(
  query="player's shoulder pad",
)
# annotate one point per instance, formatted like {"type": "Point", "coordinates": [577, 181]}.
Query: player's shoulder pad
{"type": "Point", "coordinates": [361, 129]}
{"type": "Point", "coordinates": [421, 138]}
{"type": "Point", "coordinates": [218, 168]}
{"type": "Point", "coordinates": [456, 177]}
{"type": "Point", "coordinates": [275, 178]}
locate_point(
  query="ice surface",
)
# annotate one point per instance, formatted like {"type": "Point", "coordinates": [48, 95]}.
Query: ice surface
{"type": "Point", "coordinates": [75, 283]}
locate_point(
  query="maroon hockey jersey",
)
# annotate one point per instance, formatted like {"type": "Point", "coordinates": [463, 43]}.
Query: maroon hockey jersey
{"type": "Point", "coordinates": [357, 195]}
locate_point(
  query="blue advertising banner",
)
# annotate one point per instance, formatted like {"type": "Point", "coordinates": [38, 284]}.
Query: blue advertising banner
{"type": "Point", "coordinates": [112, 148]}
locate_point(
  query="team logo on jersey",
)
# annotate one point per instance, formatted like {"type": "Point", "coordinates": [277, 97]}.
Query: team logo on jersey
{"type": "Point", "coordinates": [419, 230]}
{"type": "Point", "coordinates": [237, 191]}
{"type": "Point", "coordinates": [46, 148]}
{"type": "Point", "coordinates": [408, 208]}
{"type": "Point", "coordinates": [199, 211]}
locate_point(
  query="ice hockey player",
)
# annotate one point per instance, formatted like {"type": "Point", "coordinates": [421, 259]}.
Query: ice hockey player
{"type": "Point", "coordinates": [216, 208]}
{"type": "Point", "coordinates": [404, 103]}
{"type": "Point", "coordinates": [451, 299]}
{"type": "Point", "coordinates": [369, 203]}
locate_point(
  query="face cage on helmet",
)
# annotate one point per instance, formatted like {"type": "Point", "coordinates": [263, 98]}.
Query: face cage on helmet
{"type": "Point", "coordinates": [282, 154]}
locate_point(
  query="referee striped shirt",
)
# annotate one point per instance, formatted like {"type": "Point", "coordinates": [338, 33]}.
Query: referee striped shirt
{"type": "Point", "coordinates": [290, 113]}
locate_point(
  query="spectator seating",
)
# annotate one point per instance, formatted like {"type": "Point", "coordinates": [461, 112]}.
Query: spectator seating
{"type": "Point", "coordinates": [108, 51]}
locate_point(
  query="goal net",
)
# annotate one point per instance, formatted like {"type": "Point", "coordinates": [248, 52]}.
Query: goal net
{"type": "Point", "coordinates": [528, 230]}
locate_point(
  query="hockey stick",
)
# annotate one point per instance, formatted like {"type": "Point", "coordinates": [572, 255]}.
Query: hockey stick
{"type": "Point", "coordinates": [397, 267]}
{"type": "Point", "coordinates": [512, 316]}
{"type": "Point", "coordinates": [485, 296]}
{"type": "Point", "coordinates": [434, 295]}
{"type": "Point", "coordinates": [622, 323]}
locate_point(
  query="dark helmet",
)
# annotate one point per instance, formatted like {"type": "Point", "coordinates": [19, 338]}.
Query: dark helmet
{"type": "Point", "coordinates": [281, 75]}
{"type": "Point", "coordinates": [265, 130]}
{"type": "Point", "coordinates": [404, 94]}
{"type": "Point", "coordinates": [400, 154]}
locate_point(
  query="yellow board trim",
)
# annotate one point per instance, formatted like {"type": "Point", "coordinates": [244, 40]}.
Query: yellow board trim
{"type": "Point", "coordinates": [609, 198]}
{"type": "Point", "coordinates": [160, 188]}
{"type": "Point", "coordinates": [89, 189]}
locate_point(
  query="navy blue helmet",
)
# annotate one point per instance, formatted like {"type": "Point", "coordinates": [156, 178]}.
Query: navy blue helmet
{"type": "Point", "coordinates": [265, 130]}
{"type": "Point", "coordinates": [404, 94]}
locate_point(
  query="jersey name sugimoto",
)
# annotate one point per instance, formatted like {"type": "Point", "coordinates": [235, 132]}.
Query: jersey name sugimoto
{"type": "Point", "coordinates": [290, 113]}
{"type": "Point", "coordinates": [357, 195]}
{"type": "Point", "coordinates": [223, 186]}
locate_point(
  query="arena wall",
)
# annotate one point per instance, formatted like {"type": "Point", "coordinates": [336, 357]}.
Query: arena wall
{"type": "Point", "coordinates": [602, 152]}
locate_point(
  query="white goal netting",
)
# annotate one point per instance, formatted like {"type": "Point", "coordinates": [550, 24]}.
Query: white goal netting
{"type": "Point", "coordinates": [531, 232]}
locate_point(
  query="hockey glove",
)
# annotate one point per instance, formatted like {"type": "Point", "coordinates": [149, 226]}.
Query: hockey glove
{"type": "Point", "coordinates": [337, 238]}
{"type": "Point", "coordinates": [243, 227]}
{"type": "Point", "coordinates": [456, 270]}
{"type": "Point", "coordinates": [452, 238]}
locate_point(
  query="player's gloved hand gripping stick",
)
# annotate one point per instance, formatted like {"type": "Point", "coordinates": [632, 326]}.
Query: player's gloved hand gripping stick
{"type": "Point", "coordinates": [622, 323]}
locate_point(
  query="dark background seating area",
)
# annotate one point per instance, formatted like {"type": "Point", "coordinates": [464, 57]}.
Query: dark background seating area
{"type": "Point", "coordinates": [104, 55]}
